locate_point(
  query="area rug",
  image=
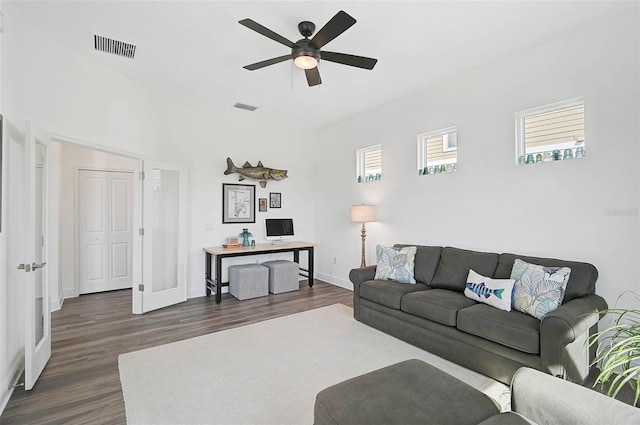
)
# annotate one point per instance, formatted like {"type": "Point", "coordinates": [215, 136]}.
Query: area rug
{"type": "Point", "coordinates": [265, 373]}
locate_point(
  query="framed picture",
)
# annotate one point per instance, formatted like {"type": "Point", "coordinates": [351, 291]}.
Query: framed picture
{"type": "Point", "coordinates": [238, 203]}
{"type": "Point", "coordinates": [275, 200]}
{"type": "Point", "coordinates": [262, 204]}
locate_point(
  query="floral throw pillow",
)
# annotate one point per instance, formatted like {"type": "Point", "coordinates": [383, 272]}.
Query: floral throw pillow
{"type": "Point", "coordinates": [538, 289]}
{"type": "Point", "coordinates": [396, 263]}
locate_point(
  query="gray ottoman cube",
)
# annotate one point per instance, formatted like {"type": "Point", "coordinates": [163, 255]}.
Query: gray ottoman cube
{"type": "Point", "coordinates": [409, 392]}
{"type": "Point", "coordinates": [283, 276]}
{"type": "Point", "coordinates": [248, 281]}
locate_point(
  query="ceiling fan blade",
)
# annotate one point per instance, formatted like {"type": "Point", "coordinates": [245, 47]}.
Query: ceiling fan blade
{"type": "Point", "coordinates": [313, 76]}
{"type": "Point", "coordinates": [341, 22]}
{"type": "Point", "coordinates": [351, 60]}
{"type": "Point", "coordinates": [251, 24]}
{"type": "Point", "coordinates": [267, 62]}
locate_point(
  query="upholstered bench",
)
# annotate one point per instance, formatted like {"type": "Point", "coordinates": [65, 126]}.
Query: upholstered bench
{"type": "Point", "coordinates": [248, 281]}
{"type": "Point", "coordinates": [283, 276]}
{"type": "Point", "coordinates": [409, 392]}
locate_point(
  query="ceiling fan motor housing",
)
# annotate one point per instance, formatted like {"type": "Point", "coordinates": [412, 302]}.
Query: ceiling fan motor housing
{"type": "Point", "coordinates": [303, 48]}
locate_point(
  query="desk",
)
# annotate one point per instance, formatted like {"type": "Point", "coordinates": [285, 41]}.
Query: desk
{"type": "Point", "coordinates": [216, 285]}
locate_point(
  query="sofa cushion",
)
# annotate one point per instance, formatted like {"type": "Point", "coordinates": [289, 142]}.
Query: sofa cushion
{"type": "Point", "coordinates": [581, 282]}
{"type": "Point", "coordinates": [494, 292]}
{"type": "Point", "coordinates": [507, 418]}
{"type": "Point", "coordinates": [512, 329]}
{"type": "Point", "coordinates": [437, 305]}
{"type": "Point", "coordinates": [387, 292]}
{"type": "Point", "coordinates": [538, 290]}
{"type": "Point", "coordinates": [455, 264]}
{"type": "Point", "coordinates": [395, 263]}
{"type": "Point", "coordinates": [427, 258]}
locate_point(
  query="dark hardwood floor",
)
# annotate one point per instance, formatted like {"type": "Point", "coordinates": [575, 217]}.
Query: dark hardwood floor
{"type": "Point", "coordinates": [81, 384]}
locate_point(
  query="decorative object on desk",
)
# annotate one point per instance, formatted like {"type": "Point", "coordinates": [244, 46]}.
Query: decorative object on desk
{"type": "Point", "coordinates": [363, 214]}
{"type": "Point", "coordinates": [245, 235]}
{"type": "Point", "coordinates": [275, 200]}
{"type": "Point", "coordinates": [238, 203]}
{"type": "Point", "coordinates": [618, 350]}
{"type": "Point", "coordinates": [253, 243]}
{"type": "Point", "coordinates": [262, 204]}
{"type": "Point", "coordinates": [259, 172]}
{"type": "Point", "coordinates": [232, 240]}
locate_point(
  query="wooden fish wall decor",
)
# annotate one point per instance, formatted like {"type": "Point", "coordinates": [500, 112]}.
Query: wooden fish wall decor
{"type": "Point", "coordinates": [259, 172]}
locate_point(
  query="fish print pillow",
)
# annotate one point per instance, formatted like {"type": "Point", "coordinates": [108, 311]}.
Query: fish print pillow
{"type": "Point", "coordinates": [494, 292]}
{"type": "Point", "coordinates": [396, 263]}
{"type": "Point", "coordinates": [538, 290]}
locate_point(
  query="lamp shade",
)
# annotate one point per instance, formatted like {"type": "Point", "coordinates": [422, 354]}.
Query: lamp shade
{"type": "Point", "coordinates": [363, 213]}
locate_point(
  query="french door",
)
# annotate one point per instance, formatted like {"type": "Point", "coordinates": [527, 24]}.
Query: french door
{"type": "Point", "coordinates": [164, 248]}
{"type": "Point", "coordinates": [37, 306]}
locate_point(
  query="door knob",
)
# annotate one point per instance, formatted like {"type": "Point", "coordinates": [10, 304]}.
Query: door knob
{"type": "Point", "coordinates": [37, 266]}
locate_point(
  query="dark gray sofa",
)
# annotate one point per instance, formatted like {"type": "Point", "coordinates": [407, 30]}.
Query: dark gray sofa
{"type": "Point", "coordinates": [435, 315]}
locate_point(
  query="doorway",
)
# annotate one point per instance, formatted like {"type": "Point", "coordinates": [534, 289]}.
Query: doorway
{"type": "Point", "coordinates": [95, 192]}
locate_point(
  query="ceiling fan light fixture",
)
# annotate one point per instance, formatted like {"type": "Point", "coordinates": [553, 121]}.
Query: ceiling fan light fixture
{"type": "Point", "coordinates": [305, 62]}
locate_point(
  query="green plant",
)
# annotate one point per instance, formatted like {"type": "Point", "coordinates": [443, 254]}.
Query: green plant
{"type": "Point", "coordinates": [618, 351]}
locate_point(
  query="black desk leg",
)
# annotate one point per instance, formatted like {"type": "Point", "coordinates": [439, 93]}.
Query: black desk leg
{"type": "Point", "coordinates": [218, 279]}
{"type": "Point", "coordinates": [310, 252]}
{"type": "Point", "coordinates": [207, 274]}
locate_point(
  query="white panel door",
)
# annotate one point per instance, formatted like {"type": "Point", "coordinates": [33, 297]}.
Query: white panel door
{"type": "Point", "coordinates": [120, 230]}
{"type": "Point", "coordinates": [92, 231]}
{"type": "Point", "coordinates": [37, 307]}
{"type": "Point", "coordinates": [164, 272]}
{"type": "Point", "coordinates": [105, 230]}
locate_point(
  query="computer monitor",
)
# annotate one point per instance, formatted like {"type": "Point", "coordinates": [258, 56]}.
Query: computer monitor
{"type": "Point", "coordinates": [279, 229]}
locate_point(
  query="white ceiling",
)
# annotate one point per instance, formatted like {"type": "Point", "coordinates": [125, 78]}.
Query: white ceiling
{"type": "Point", "coordinates": [192, 52]}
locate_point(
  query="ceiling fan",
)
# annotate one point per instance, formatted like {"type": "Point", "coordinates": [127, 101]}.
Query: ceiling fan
{"type": "Point", "coordinates": [306, 52]}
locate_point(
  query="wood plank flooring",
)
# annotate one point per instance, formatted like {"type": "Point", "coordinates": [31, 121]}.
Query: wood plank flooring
{"type": "Point", "coordinates": [81, 384]}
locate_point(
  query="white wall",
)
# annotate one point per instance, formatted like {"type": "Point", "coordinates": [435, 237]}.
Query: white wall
{"type": "Point", "coordinates": [70, 95]}
{"type": "Point", "coordinates": [551, 209]}
{"type": "Point", "coordinates": [203, 139]}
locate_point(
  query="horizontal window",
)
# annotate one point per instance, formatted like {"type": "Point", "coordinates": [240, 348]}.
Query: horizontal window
{"type": "Point", "coordinates": [438, 151]}
{"type": "Point", "coordinates": [551, 133]}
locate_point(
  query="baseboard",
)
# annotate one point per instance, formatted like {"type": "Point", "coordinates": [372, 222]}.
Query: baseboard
{"type": "Point", "coordinates": [56, 304]}
{"type": "Point", "coordinates": [335, 281]}
{"type": "Point", "coordinates": [16, 372]}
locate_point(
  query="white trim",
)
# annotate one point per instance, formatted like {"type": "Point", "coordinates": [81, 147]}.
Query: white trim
{"type": "Point", "coordinates": [360, 162]}
{"type": "Point", "coordinates": [56, 304]}
{"type": "Point", "coordinates": [17, 368]}
{"type": "Point", "coordinates": [521, 115]}
{"type": "Point", "coordinates": [136, 304]}
{"type": "Point", "coordinates": [96, 146]}
{"type": "Point", "coordinates": [422, 146]}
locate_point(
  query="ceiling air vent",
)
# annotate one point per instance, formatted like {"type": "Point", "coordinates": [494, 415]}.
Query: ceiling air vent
{"type": "Point", "coordinates": [245, 107]}
{"type": "Point", "coordinates": [114, 47]}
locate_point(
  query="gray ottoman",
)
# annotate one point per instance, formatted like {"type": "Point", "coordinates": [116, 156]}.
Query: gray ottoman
{"type": "Point", "coordinates": [248, 281]}
{"type": "Point", "coordinates": [283, 276]}
{"type": "Point", "coordinates": [409, 392]}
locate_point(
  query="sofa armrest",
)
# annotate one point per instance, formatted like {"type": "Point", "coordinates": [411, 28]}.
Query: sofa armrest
{"type": "Point", "coordinates": [357, 276]}
{"type": "Point", "coordinates": [564, 335]}
{"type": "Point", "coordinates": [547, 400]}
